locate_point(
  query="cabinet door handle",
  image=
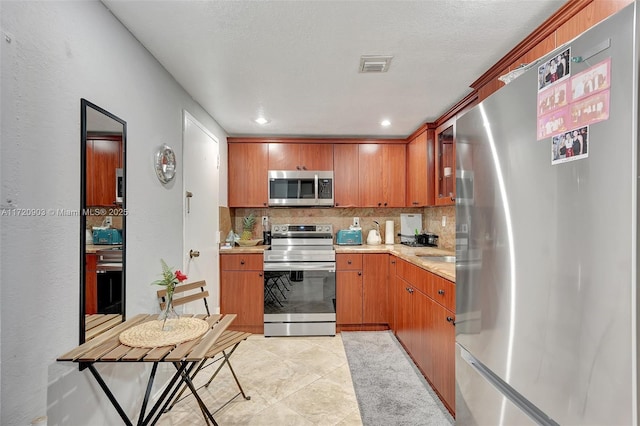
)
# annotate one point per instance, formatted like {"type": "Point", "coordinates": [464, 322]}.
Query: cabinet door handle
{"type": "Point", "coordinates": [348, 262]}
{"type": "Point", "coordinates": [304, 167]}
{"type": "Point", "coordinates": [453, 199]}
{"type": "Point", "coordinates": [415, 203]}
{"type": "Point", "coordinates": [441, 291]}
{"type": "Point", "coordinates": [451, 320]}
{"type": "Point", "coordinates": [242, 262]}
{"type": "Point", "coordinates": [297, 167]}
{"type": "Point", "coordinates": [379, 204]}
{"type": "Point", "coordinates": [259, 274]}
{"type": "Point", "coordinates": [385, 204]}
{"type": "Point", "coordinates": [359, 273]}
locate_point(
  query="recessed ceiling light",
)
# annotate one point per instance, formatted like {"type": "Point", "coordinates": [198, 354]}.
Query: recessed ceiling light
{"type": "Point", "coordinates": [261, 120]}
{"type": "Point", "coordinates": [385, 123]}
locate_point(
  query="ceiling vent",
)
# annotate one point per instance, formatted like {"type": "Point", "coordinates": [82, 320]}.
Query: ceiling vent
{"type": "Point", "coordinates": [370, 63]}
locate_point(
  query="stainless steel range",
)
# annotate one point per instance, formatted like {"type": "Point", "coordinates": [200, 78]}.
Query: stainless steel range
{"type": "Point", "coordinates": [300, 281]}
{"type": "Point", "coordinates": [109, 280]}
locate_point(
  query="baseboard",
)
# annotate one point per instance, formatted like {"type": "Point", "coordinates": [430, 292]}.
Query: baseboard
{"type": "Point", "coordinates": [361, 327]}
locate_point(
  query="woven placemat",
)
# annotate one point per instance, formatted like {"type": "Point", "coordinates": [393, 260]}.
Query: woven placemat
{"type": "Point", "coordinates": [151, 335]}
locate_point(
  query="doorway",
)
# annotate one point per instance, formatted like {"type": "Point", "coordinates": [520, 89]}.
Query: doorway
{"type": "Point", "coordinates": [201, 168]}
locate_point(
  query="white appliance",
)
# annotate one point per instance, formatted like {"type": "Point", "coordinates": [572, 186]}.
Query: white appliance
{"type": "Point", "coordinates": [410, 225]}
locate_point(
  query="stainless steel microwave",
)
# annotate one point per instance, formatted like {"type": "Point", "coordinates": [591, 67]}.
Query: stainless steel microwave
{"type": "Point", "coordinates": [119, 186]}
{"type": "Point", "coordinates": [291, 188]}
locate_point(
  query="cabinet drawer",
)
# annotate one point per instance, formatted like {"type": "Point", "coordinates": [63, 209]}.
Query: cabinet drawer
{"type": "Point", "coordinates": [241, 262]}
{"type": "Point", "coordinates": [416, 276]}
{"type": "Point", "coordinates": [444, 292]}
{"type": "Point", "coordinates": [348, 262]}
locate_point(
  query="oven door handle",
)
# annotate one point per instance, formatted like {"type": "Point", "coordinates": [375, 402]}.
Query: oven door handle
{"type": "Point", "coordinates": [300, 266]}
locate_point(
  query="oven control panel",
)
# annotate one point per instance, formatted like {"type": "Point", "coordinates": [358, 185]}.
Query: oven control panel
{"type": "Point", "coordinates": [292, 230]}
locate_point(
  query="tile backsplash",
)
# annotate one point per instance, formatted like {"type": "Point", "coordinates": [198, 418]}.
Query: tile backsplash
{"type": "Point", "coordinates": [98, 219]}
{"type": "Point", "coordinates": [341, 219]}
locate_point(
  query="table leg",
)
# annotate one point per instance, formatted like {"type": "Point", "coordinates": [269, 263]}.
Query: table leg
{"type": "Point", "coordinates": [109, 394]}
{"type": "Point", "coordinates": [148, 392]}
{"type": "Point", "coordinates": [163, 397]}
{"type": "Point", "coordinates": [182, 371]}
{"type": "Point", "coordinates": [178, 398]}
{"type": "Point", "coordinates": [187, 380]}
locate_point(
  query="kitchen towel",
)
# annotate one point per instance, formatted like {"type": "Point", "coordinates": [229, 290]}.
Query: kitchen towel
{"type": "Point", "coordinates": [388, 232]}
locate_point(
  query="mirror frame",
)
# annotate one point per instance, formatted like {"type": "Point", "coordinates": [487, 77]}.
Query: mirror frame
{"type": "Point", "coordinates": [84, 104]}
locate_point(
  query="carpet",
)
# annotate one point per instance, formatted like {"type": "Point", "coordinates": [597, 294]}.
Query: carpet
{"type": "Point", "coordinates": [389, 388]}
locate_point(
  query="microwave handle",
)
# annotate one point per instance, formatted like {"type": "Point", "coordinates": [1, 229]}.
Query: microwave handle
{"type": "Point", "coordinates": [315, 183]}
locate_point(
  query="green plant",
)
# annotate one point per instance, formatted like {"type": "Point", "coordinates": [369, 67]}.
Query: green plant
{"type": "Point", "coordinates": [247, 227]}
{"type": "Point", "coordinates": [169, 278]}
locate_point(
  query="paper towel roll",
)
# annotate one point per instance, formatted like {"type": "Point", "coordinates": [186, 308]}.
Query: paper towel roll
{"type": "Point", "coordinates": [388, 232]}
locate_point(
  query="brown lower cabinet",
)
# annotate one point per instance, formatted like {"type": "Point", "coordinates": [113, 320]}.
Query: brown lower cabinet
{"type": "Point", "coordinates": [443, 353]}
{"type": "Point", "coordinates": [424, 319]}
{"type": "Point", "coordinates": [362, 290]}
{"type": "Point", "coordinates": [373, 290]}
{"type": "Point", "coordinates": [242, 291]}
{"type": "Point", "coordinates": [91, 284]}
{"type": "Point", "coordinates": [414, 324]}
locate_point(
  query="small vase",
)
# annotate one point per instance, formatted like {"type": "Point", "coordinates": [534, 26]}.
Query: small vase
{"type": "Point", "coordinates": [168, 314]}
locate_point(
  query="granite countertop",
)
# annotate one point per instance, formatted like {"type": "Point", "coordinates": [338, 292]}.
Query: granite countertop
{"type": "Point", "coordinates": [93, 248]}
{"type": "Point", "coordinates": [240, 250]}
{"type": "Point", "coordinates": [410, 254]}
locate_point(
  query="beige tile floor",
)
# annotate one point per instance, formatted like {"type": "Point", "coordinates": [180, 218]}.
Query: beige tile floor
{"type": "Point", "coordinates": [291, 380]}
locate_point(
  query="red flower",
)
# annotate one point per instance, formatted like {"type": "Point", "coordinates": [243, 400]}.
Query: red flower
{"type": "Point", "coordinates": [180, 276]}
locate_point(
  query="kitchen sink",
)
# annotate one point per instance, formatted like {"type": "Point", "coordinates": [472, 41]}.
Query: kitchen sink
{"type": "Point", "coordinates": [438, 258]}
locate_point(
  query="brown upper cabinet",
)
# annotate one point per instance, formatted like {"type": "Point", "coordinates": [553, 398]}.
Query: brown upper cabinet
{"type": "Point", "coordinates": [569, 21]}
{"type": "Point", "coordinates": [365, 175]}
{"type": "Point", "coordinates": [104, 156]}
{"type": "Point", "coordinates": [420, 170]}
{"type": "Point", "coordinates": [345, 175]}
{"type": "Point", "coordinates": [445, 163]}
{"type": "Point", "coordinates": [248, 174]}
{"type": "Point", "coordinates": [300, 156]}
{"type": "Point", "coordinates": [382, 169]}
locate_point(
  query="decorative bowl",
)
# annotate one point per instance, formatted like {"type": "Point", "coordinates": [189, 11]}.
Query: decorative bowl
{"type": "Point", "coordinates": [248, 243]}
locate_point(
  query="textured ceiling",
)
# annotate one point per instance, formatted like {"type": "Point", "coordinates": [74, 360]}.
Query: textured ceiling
{"type": "Point", "coordinates": [297, 62]}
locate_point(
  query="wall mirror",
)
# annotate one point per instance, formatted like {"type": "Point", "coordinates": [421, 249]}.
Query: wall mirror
{"type": "Point", "coordinates": [102, 220]}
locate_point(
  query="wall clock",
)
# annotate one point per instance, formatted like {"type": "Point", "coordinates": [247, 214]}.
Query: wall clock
{"type": "Point", "coordinates": [165, 163]}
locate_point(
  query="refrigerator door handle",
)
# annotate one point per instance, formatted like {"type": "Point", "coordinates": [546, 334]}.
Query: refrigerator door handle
{"type": "Point", "coordinates": [510, 393]}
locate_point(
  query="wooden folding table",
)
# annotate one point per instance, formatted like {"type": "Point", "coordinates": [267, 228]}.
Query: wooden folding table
{"type": "Point", "coordinates": [184, 356]}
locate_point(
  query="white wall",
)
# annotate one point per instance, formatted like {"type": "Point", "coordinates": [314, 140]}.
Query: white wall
{"type": "Point", "coordinates": [58, 53]}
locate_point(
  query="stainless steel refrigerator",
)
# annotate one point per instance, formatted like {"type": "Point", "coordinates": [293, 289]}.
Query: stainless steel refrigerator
{"type": "Point", "coordinates": [547, 231]}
